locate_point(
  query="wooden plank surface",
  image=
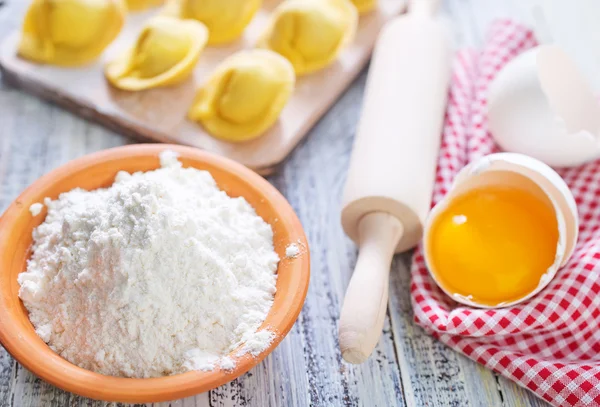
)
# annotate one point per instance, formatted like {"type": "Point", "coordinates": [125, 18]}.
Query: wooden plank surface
{"type": "Point", "coordinates": [408, 368]}
{"type": "Point", "coordinates": [160, 114]}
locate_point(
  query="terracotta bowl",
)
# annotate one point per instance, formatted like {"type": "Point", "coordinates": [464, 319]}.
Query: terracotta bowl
{"type": "Point", "coordinates": [99, 170]}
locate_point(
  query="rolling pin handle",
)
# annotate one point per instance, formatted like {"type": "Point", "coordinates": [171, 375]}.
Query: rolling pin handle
{"type": "Point", "coordinates": [365, 304]}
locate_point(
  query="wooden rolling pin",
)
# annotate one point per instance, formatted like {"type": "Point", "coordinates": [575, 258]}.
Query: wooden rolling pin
{"type": "Point", "coordinates": [392, 169]}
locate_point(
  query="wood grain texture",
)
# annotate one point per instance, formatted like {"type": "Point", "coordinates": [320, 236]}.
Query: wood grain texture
{"type": "Point", "coordinates": [408, 368]}
{"type": "Point", "coordinates": [160, 114]}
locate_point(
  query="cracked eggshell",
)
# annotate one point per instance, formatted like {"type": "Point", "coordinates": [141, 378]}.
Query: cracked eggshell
{"type": "Point", "coordinates": [524, 172]}
{"type": "Point", "coordinates": [539, 104]}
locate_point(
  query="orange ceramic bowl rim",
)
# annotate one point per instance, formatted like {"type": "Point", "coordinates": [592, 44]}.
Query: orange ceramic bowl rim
{"type": "Point", "coordinates": [17, 334]}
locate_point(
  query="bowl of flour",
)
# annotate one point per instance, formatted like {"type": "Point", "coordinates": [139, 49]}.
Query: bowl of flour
{"type": "Point", "coordinates": [149, 273]}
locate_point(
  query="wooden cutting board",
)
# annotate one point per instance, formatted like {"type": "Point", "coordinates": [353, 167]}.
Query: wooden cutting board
{"type": "Point", "coordinates": [160, 114]}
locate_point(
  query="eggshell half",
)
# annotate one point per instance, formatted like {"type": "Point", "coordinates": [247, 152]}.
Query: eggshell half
{"type": "Point", "coordinates": [541, 105]}
{"type": "Point", "coordinates": [524, 172]}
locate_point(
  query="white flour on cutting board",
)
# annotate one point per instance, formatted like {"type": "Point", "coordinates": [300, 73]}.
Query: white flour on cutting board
{"type": "Point", "coordinates": [158, 274]}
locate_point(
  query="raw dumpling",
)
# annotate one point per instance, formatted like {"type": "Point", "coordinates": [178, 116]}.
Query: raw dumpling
{"type": "Point", "coordinates": [226, 20]}
{"type": "Point", "coordinates": [70, 32]}
{"type": "Point", "coordinates": [245, 95]}
{"type": "Point", "coordinates": [165, 53]}
{"type": "Point", "coordinates": [310, 33]}
{"type": "Point", "coordinates": [139, 5]}
{"type": "Point", "coordinates": [364, 6]}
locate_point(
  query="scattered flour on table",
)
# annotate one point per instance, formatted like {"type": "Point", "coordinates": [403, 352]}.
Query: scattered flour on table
{"type": "Point", "coordinates": [158, 274]}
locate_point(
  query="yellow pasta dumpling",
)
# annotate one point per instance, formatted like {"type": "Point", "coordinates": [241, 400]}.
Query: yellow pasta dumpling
{"type": "Point", "coordinates": [310, 33]}
{"type": "Point", "coordinates": [244, 96]}
{"type": "Point", "coordinates": [139, 5]}
{"type": "Point", "coordinates": [364, 6]}
{"type": "Point", "coordinates": [165, 53]}
{"type": "Point", "coordinates": [70, 32]}
{"type": "Point", "coordinates": [226, 20]}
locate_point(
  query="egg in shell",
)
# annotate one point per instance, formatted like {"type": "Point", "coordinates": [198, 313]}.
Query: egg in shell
{"type": "Point", "coordinates": [165, 53]}
{"type": "Point", "coordinates": [226, 20]}
{"type": "Point", "coordinates": [541, 105]}
{"type": "Point", "coordinates": [244, 96]}
{"type": "Point", "coordinates": [69, 32]}
{"type": "Point", "coordinates": [310, 33]}
{"type": "Point", "coordinates": [502, 232]}
{"type": "Point", "coordinates": [139, 5]}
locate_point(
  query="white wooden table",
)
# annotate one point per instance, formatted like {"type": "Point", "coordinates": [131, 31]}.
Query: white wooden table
{"type": "Point", "coordinates": [407, 368]}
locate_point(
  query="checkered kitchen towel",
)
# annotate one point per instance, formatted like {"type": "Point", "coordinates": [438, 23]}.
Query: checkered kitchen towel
{"type": "Point", "coordinates": [551, 343]}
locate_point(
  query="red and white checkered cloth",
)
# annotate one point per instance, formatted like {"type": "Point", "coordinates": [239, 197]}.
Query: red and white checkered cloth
{"type": "Point", "coordinates": [551, 343]}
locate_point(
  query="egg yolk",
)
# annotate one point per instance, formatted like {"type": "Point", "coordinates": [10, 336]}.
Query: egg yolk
{"type": "Point", "coordinates": [493, 243]}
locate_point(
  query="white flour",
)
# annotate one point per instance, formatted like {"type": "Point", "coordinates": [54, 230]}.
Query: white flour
{"type": "Point", "coordinates": [36, 209]}
{"type": "Point", "coordinates": [292, 250]}
{"type": "Point", "coordinates": [158, 274]}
